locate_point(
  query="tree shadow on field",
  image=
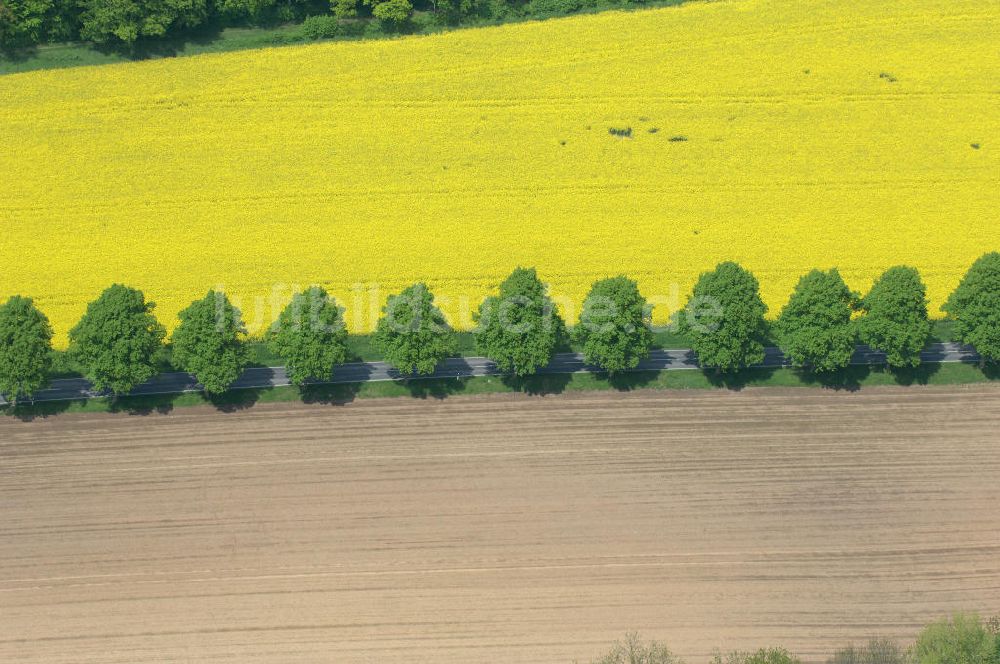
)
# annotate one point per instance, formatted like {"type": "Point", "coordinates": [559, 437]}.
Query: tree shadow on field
{"type": "Point", "coordinates": [537, 384]}
{"type": "Point", "coordinates": [847, 380]}
{"type": "Point", "coordinates": [163, 47]}
{"type": "Point", "coordinates": [738, 380]}
{"type": "Point", "coordinates": [160, 404]}
{"type": "Point", "coordinates": [626, 382]}
{"type": "Point", "coordinates": [919, 375]}
{"type": "Point", "coordinates": [28, 412]}
{"type": "Point", "coordinates": [329, 395]}
{"type": "Point", "coordinates": [234, 401]}
{"type": "Point", "coordinates": [18, 54]}
{"type": "Point", "coordinates": [434, 388]}
{"type": "Point", "coordinates": [991, 370]}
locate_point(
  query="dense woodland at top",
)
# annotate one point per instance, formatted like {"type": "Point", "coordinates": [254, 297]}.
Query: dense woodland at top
{"type": "Point", "coordinates": [121, 24]}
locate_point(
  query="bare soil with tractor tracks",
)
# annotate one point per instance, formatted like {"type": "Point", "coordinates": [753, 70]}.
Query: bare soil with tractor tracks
{"type": "Point", "coordinates": [502, 529]}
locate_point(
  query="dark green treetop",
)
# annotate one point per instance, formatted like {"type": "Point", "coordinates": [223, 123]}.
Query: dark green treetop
{"type": "Point", "coordinates": [815, 327]}
{"type": "Point", "coordinates": [895, 320]}
{"type": "Point", "coordinates": [310, 335]}
{"type": "Point", "coordinates": [975, 307]}
{"type": "Point", "coordinates": [210, 342]}
{"type": "Point", "coordinates": [614, 325]}
{"type": "Point", "coordinates": [412, 334]}
{"type": "Point", "coordinates": [519, 329]}
{"type": "Point", "coordinates": [724, 318]}
{"type": "Point", "coordinates": [117, 340]}
{"type": "Point", "coordinates": [25, 349]}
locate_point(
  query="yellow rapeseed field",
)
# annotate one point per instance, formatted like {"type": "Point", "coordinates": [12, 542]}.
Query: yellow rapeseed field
{"type": "Point", "coordinates": [817, 133]}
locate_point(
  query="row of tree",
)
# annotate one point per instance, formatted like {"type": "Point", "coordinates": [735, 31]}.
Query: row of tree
{"type": "Point", "coordinates": [24, 23]}
{"type": "Point", "coordinates": [964, 639]}
{"type": "Point", "coordinates": [118, 339]}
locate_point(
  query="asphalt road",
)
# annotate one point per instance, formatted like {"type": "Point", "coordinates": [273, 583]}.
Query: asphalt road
{"type": "Point", "coordinates": [71, 389]}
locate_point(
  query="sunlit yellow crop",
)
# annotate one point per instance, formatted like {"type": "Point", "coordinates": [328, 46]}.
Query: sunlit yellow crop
{"type": "Point", "coordinates": [783, 135]}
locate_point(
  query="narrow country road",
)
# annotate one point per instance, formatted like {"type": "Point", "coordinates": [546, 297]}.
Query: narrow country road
{"type": "Point", "coordinates": [71, 389]}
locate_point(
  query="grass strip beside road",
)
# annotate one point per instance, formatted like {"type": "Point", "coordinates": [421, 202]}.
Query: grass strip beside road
{"type": "Point", "coordinates": [853, 378]}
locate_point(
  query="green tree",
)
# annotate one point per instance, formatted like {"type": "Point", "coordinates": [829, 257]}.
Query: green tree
{"type": "Point", "coordinates": [815, 327]}
{"type": "Point", "coordinates": [975, 307]}
{"type": "Point", "coordinates": [393, 12]}
{"type": "Point", "coordinates": [344, 8]}
{"type": "Point", "coordinates": [634, 651]}
{"type": "Point", "coordinates": [993, 625]}
{"type": "Point", "coordinates": [116, 341]}
{"type": "Point", "coordinates": [25, 349]}
{"type": "Point", "coordinates": [22, 22]}
{"type": "Point", "coordinates": [126, 21]}
{"type": "Point", "coordinates": [262, 12]}
{"type": "Point", "coordinates": [762, 656]}
{"type": "Point", "coordinates": [895, 320]}
{"type": "Point", "coordinates": [412, 334]}
{"type": "Point", "coordinates": [519, 329]}
{"type": "Point", "coordinates": [962, 640]}
{"type": "Point", "coordinates": [614, 325]}
{"type": "Point", "coordinates": [454, 11]}
{"type": "Point", "coordinates": [254, 10]}
{"type": "Point", "coordinates": [62, 21]}
{"type": "Point", "coordinates": [724, 318]}
{"type": "Point", "coordinates": [29, 22]}
{"type": "Point", "coordinates": [209, 342]}
{"type": "Point", "coordinates": [310, 335]}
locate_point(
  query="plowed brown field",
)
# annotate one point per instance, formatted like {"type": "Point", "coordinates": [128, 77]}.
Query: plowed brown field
{"type": "Point", "coordinates": [498, 530]}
